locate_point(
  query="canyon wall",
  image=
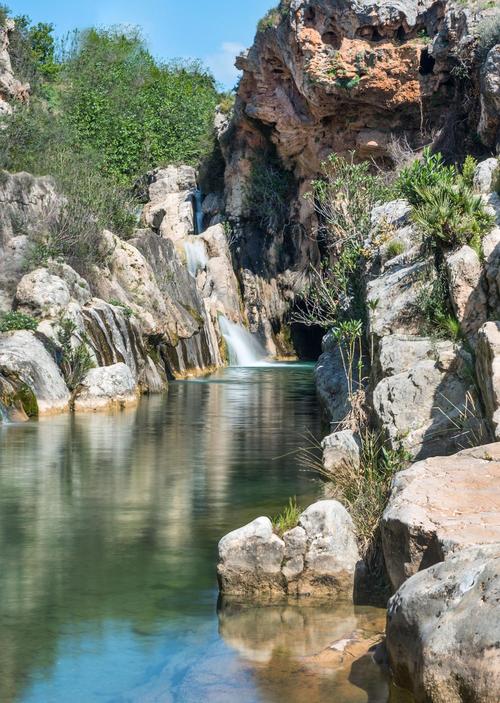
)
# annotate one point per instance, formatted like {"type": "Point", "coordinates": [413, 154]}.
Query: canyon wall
{"type": "Point", "coordinates": [342, 77]}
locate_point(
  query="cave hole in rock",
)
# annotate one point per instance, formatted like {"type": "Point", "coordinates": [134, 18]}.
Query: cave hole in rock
{"type": "Point", "coordinates": [401, 34]}
{"type": "Point", "coordinates": [427, 63]}
{"type": "Point", "coordinates": [332, 39]}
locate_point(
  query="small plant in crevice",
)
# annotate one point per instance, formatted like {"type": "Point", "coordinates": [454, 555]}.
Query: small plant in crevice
{"type": "Point", "coordinates": [288, 518]}
{"type": "Point", "coordinates": [433, 302]}
{"type": "Point", "coordinates": [127, 311]}
{"type": "Point", "coordinates": [363, 488]}
{"type": "Point", "coordinates": [75, 359]}
{"type": "Point", "coordinates": [349, 335]}
{"type": "Point", "coordinates": [15, 321]}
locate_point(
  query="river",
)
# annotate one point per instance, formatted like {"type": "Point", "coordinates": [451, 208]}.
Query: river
{"type": "Point", "coordinates": [108, 532]}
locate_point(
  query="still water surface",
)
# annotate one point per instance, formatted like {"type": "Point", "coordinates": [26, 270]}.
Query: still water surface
{"type": "Point", "coordinates": [108, 534]}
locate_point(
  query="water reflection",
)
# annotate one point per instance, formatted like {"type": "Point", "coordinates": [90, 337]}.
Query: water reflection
{"type": "Point", "coordinates": [108, 533]}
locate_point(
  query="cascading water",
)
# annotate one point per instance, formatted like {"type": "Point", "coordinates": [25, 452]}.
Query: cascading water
{"type": "Point", "coordinates": [198, 211]}
{"type": "Point", "coordinates": [243, 348]}
{"type": "Point", "coordinates": [196, 256]}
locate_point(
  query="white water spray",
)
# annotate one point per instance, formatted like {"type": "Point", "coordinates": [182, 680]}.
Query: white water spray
{"type": "Point", "coordinates": [244, 349]}
{"type": "Point", "coordinates": [196, 256]}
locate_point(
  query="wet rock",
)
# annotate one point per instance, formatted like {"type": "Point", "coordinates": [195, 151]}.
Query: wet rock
{"type": "Point", "coordinates": [23, 356]}
{"type": "Point", "coordinates": [340, 450]}
{"type": "Point", "coordinates": [465, 277]}
{"type": "Point", "coordinates": [105, 388]}
{"type": "Point", "coordinates": [317, 558]}
{"type": "Point", "coordinates": [442, 630]}
{"type": "Point", "coordinates": [440, 506]}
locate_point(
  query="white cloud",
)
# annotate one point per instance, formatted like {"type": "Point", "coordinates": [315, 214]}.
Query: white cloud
{"type": "Point", "coordinates": [222, 63]}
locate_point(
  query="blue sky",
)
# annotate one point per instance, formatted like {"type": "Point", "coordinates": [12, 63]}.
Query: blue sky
{"type": "Point", "coordinates": [213, 30]}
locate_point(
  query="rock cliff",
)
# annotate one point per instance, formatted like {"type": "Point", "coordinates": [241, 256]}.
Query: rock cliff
{"type": "Point", "coordinates": [343, 76]}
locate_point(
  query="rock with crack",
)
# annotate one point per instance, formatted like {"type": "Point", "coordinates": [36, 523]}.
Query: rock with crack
{"type": "Point", "coordinates": [488, 372]}
{"type": "Point", "coordinates": [426, 402]}
{"type": "Point", "coordinates": [440, 506]}
{"type": "Point", "coordinates": [467, 295]}
{"type": "Point", "coordinates": [442, 630]}
{"type": "Point", "coordinates": [317, 558]}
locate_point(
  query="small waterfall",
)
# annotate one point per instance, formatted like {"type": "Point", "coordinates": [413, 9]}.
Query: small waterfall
{"type": "Point", "coordinates": [198, 211]}
{"type": "Point", "coordinates": [244, 349]}
{"type": "Point", "coordinates": [3, 415]}
{"type": "Point", "coordinates": [196, 256]}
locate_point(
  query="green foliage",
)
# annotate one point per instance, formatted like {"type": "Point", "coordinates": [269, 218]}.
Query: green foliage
{"type": "Point", "coordinates": [12, 321]}
{"type": "Point", "coordinates": [268, 191]}
{"type": "Point", "coordinates": [288, 518]}
{"type": "Point", "coordinates": [127, 311]}
{"type": "Point", "coordinates": [434, 304]}
{"type": "Point", "coordinates": [427, 172]}
{"type": "Point", "coordinates": [450, 215]}
{"type": "Point", "coordinates": [33, 54]}
{"type": "Point", "coordinates": [468, 170]}
{"type": "Point", "coordinates": [75, 358]}
{"type": "Point", "coordinates": [395, 248]}
{"type": "Point", "coordinates": [273, 17]}
{"type": "Point", "coordinates": [488, 34]}
{"type": "Point", "coordinates": [4, 14]}
{"type": "Point", "coordinates": [226, 102]}
{"type": "Point", "coordinates": [135, 112]}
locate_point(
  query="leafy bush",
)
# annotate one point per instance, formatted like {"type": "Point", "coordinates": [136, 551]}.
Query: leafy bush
{"type": "Point", "coordinates": [75, 359]}
{"type": "Point", "coordinates": [12, 321]}
{"type": "Point", "coordinates": [135, 112]}
{"type": "Point", "coordinates": [427, 172]}
{"type": "Point", "coordinates": [273, 17]}
{"type": "Point", "coordinates": [127, 311]}
{"type": "Point", "coordinates": [451, 215]}
{"type": "Point", "coordinates": [268, 192]}
{"type": "Point", "coordinates": [488, 34]}
{"type": "Point", "coordinates": [288, 518]}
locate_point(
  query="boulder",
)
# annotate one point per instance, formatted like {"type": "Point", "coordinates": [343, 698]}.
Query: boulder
{"type": "Point", "coordinates": [340, 450]}
{"type": "Point", "coordinates": [393, 297]}
{"type": "Point", "coordinates": [317, 558]}
{"type": "Point", "coordinates": [105, 388]}
{"type": "Point", "coordinates": [440, 506]}
{"type": "Point", "coordinates": [24, 357]}
{"type": "Point", "coordinates": [443, 630]}
{"type": "Point", "coordinates": [488, 372]}
{"type": "Point", "coordinates": [170, 208]}
{"type": "Point", "coordinates": [42, 294]}
{"type": "Point", "coordinates": [468, 297]}
{"type": "Point", "coordinates": [331, 382]}
{"type": "Point", "coordinates": [486, 176]}
{"type": "Point", "coordinates": [489, 124]}
{"type": "Point", "coordinates": [430, 408]}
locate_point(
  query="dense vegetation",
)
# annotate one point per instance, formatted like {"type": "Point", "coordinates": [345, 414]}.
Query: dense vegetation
{"type": "Point", "coordinates": [103, 111]}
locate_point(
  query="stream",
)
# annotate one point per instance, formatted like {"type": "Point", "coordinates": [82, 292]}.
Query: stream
{"type": "Point", "coordinates": [109, 526]}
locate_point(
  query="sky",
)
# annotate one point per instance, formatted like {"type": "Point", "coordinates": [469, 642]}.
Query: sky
{"type": "Point", "coordinates": [212, 30]}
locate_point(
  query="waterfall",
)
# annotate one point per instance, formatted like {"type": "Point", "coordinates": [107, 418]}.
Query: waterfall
{"type": "Point", "coordinates": [196, 256]}
{"type": "Point", "coordinates": [198, 211]}
{"type": "Point", "coordinates": [244, 349]}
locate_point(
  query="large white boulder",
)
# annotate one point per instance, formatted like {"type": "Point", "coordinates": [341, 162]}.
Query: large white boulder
{"type": "Point", "coordinates": [443, 630]}
{"type": "Point", "coordinates": [42, 294]}
{"type": "Point", "coordinates": [105, 388]}
{"type": "Point", "coordinates": [316, 558]}
{"type": "Point", "coordinates": [440, 506]}
{"type": "Point", "coordinates": [24, 356]}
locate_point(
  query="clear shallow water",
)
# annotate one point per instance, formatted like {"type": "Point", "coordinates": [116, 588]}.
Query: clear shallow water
{"type": "Point", "coordinates": [108, 534]}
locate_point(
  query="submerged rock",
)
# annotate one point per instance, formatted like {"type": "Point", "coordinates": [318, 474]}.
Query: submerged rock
{"type": "Point", "coordinates": [440, 506]}
{"type": "Point", "coordinates": [317, 558]}
{"type": "Point", "coordinates": [443, 630]}
{"type": "Point", "coordinates": [105, 388]}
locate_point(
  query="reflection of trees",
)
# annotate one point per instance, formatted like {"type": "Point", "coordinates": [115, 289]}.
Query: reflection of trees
{"type": "Point", "coordinates": [117, 516]}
